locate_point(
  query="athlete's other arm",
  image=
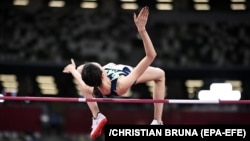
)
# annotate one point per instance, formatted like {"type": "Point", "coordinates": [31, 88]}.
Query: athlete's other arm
{"type": "Point", "coordinates": [71, 68]}
{"type": "Point", "coordinates": [150, 53]}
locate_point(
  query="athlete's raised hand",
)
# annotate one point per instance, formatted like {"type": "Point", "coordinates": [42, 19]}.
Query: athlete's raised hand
{"type": "Point", "coordinates": [141, 19]}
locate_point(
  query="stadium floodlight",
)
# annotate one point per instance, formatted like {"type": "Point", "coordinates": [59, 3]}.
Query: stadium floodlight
{"type": "Point", "coordinates": [219, 91]}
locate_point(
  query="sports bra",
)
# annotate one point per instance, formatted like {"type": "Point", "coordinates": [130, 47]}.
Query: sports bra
{"type": "Point", "coordinates": [113, 72]}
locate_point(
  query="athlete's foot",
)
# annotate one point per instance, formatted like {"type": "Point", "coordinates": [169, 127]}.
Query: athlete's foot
{"type": "Point", "coordinates": [155, 122]}
{"type": "Point", "coordinates": [97, 124]}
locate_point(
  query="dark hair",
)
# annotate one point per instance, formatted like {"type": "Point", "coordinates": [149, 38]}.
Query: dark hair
{"type": "Point", "coordinates": [91, 75]}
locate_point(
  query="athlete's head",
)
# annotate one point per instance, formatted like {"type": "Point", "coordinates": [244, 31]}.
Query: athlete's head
{"type": "Point", "coordinates": [92, 76]}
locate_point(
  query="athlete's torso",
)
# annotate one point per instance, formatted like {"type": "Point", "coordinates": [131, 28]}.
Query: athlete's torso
{"type": "Point", "coordinates": [114, 71]}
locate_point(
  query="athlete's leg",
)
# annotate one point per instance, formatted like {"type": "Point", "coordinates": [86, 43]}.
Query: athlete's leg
{"type": "Point", "coordinates": [93, 106]}
{"type": "Point", "coordinates": [99, 120]}
{"type": "Point", "coordinates": [158, 76]}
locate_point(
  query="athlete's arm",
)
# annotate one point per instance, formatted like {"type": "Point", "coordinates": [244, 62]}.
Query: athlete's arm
{"type": "Point", "coordinates": [71, 68]}
{"type": "Point", "coordinates": [150, 53]}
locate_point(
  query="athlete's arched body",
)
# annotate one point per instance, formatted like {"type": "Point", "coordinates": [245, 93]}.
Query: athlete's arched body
{"type": "Point", "coordinates": [117, 79]}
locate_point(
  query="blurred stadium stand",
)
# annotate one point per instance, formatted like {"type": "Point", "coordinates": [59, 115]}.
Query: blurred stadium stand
{"type": "Point", "coordinates": [209, 45]}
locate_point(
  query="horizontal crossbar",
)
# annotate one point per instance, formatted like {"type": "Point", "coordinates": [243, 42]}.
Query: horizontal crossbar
{"type": "Point", "coordinates": [121, 100]}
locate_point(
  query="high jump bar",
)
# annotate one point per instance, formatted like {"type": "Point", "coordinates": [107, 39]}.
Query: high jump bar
{"type": "Point", "coordinates": [121, 100]}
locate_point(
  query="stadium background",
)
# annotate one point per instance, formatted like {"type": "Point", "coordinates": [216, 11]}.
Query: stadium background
{"type": "Point", "coordinates": [196, 47]}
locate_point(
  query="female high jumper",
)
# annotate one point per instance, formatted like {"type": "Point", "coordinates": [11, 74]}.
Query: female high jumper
{"type": "Point", "coordinates": [116, 79]}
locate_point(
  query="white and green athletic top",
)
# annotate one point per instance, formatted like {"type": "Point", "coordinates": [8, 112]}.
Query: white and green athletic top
{"type": "Point", "coordinates": [113, 72]}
